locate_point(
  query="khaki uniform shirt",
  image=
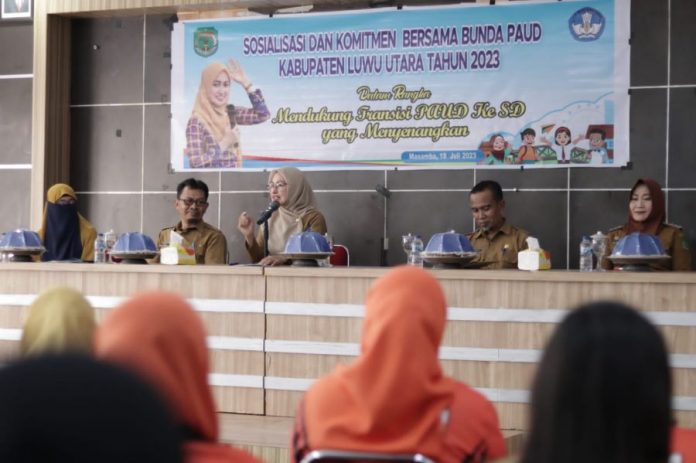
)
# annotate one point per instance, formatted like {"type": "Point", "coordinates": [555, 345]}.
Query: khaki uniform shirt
{"type": "Point", "coordinates": [501, 250]}
{"type": "Point", "coordinates": [314, 220]}
{"type": "Point", "coordinates": [209, 242]}
{"type": "Point", "coordinates": [672, 239]}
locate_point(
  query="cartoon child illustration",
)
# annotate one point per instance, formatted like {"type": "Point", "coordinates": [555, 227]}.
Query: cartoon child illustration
{"type": "Point", "coordinates": [565, 144]}
{"type": "Point", "coordinates": [498, 150]}
{"type": "Point", "coordinates": [527, 152]}
{"type": "Point", "coordinates": [598, 151]}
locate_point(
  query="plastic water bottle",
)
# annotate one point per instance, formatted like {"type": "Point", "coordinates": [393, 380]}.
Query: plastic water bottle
{"type": "Point", "coordinates": [416, 257]}
{"type": "Point", "coordinates": [100, 249]}
{"type": "Point", "coordinates": [586, 254]}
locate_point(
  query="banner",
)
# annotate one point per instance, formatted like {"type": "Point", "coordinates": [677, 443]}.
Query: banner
{"type": "Point", "coordinates": [536, 84]}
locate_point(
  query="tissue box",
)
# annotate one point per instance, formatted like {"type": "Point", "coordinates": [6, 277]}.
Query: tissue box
{"type": "Point", "coordinates": [533, 259]}
{"type": "Point", "coordinates": [177, 255]}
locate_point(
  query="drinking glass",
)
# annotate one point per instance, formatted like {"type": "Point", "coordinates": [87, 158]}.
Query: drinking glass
{"type": "Point", "coordinates": [599, 248]}
{"type": "Point", "coordinates": [406, 242]}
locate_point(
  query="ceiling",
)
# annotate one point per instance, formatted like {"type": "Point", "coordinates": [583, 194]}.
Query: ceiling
{"type": "Point", "coordinates": [334, 5]}
{"type": "Point", "coordinates": [228, 8]}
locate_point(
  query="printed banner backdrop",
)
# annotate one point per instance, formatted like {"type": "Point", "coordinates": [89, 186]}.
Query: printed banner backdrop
{"type": "Point", "coordinates": [542, 84]}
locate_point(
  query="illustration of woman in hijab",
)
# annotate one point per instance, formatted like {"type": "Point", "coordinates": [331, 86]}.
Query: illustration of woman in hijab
{"type": "Point", "coordinates": [212, 135]}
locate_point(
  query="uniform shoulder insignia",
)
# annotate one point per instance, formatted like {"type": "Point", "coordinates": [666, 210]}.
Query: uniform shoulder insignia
{"type": "Point", "coordinates": [674, 225]}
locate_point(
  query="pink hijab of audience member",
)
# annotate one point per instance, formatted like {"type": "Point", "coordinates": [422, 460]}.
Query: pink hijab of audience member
{"type": "Point", "coordinates": [159, 336]}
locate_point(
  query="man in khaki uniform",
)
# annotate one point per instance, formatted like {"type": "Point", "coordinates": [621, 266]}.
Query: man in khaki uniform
{"type": "Point", "coordinates": [191, 203]}
{"type": "Point", "coordinates": [498, 242]}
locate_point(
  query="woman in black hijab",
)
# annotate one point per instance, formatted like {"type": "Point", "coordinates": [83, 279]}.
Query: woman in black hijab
{"type": "Point", "coordinates": [65, 234]}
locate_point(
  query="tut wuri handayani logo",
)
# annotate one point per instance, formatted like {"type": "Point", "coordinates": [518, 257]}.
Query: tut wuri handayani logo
{"type": "Point", "coordinates": [205, 41]}
{"type": "Point", "coordinates": [586, 24]}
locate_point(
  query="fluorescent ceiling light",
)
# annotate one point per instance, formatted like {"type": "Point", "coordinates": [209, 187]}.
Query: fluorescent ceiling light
{"type": "Point", "coordinates": [295, 9]}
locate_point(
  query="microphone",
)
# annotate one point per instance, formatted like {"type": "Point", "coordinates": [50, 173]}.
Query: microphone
{"type": "Point", "coordinates": [265, 215]}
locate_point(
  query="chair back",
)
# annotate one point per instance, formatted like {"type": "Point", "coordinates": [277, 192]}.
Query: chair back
{"type": "Point", "coordinates": [340, 257]}
{"type": "Point", "coordinates": [327, 455]}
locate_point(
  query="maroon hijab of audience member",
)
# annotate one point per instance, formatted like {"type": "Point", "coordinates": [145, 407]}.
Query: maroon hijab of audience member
{"type": "Point", "coordinates": [653, 224]}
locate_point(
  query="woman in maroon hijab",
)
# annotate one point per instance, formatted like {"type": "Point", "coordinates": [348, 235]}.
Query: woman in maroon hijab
{"type": "Point", "coordinates": [646, 214]}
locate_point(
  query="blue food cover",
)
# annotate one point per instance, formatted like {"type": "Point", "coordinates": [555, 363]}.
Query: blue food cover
{"type": "Point", "coordinates": [20, 238]}
{"type": "Point", "coordinates": [134, 242]}
{"type": "Point", "coordinates": [306, 242]}
{"type": "Point", "coordinates": [449, 242]}
{"type": "Point", "coordinates": [638, 244]}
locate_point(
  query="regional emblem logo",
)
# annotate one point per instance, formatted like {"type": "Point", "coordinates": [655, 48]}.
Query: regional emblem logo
{"type": "Point", "coordinates": [586, 24]}
{"type": "Point", "coordinates": [205, 41]}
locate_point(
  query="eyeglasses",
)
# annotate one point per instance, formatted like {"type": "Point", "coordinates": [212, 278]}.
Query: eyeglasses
{"type": "Point", "coordinates": [278, 185]}
{"type": "Point", "coordinates": [188, 202]}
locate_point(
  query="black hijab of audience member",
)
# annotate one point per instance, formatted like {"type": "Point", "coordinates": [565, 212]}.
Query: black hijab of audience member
{"type": "Point", "coordinates": [75, 409]}
{"type": "Point", "coordinates": [602, 391]}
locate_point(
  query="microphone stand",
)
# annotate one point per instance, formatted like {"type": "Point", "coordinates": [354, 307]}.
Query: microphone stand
{"type": "Point", "coordinates": [384, 240]}
{"type": "Point", "coordinates": [265, 239]}
{"type": "Point", "coordinates": [264, 218]}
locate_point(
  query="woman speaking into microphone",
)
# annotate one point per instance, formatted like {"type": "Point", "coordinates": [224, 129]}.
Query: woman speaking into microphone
{"type": "Point", "coordinates": [297, 212]}
{"type": "Point", "coordinates": [212, 135]}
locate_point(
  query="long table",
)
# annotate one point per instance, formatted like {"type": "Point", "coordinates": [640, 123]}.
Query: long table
{"type": "Point", "coordinates": [230, 301]}
{"type": "Point", "coordinates": [273, 331]}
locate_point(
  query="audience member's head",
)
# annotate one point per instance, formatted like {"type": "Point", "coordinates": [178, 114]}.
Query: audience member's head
{"type": "Point", "coordinates": [602, 391]}
{"type": "Point", "coordinates": [74, 409]}
{"type": "Point", "coordinates": [59, 320]}
{"type": "Point", "coordinates": [158, 335]}
{"type": "Point", "coordinates": [391, 398]}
